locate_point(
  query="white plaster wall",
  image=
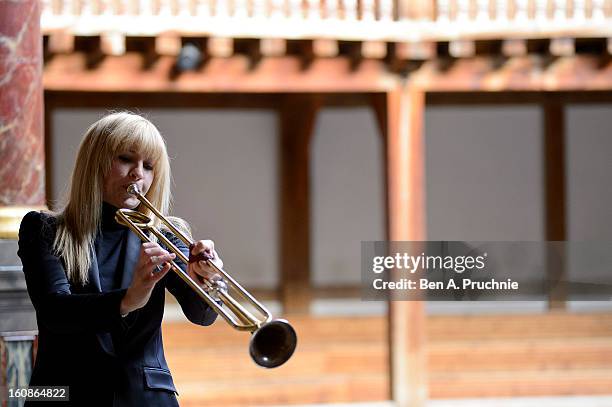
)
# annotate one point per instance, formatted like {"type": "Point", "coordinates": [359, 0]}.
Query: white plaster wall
{"type": "Point", "coordinates": [348, 202]}
{"type": "Point", "coordinates": [484, 173]}
{"type": "Point", "coordinates": [589, 162]}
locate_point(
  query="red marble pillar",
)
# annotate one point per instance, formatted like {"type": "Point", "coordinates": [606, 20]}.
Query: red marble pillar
{"type": "Point", "coordinates": [22, 175]}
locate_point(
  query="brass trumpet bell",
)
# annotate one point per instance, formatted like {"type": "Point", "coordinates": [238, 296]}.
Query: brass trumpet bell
{"type": "Point", "coordinates": [273, 343]}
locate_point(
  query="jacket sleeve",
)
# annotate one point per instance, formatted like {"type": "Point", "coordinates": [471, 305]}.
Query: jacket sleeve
{"type": "Point", "coordinates": [195, 308]}
{"type": "Point", "coordinates": [57, 308]}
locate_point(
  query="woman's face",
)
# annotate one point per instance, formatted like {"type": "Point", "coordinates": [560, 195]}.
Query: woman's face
{"type": "Point", "coordinates": [128, 167]}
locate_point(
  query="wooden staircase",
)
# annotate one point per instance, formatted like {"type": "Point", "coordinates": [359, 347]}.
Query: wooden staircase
{"type": "Point", "coordinates": [342, 359]}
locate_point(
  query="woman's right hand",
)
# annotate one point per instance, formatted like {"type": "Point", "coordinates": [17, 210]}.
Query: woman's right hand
{"type": "Point", "coordinates": [146, 275]}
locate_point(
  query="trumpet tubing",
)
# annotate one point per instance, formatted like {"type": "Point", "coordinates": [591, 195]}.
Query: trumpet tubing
{"type": "Point", "coordinates": [273, 341]}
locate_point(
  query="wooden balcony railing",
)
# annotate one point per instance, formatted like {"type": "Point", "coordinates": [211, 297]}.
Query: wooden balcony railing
{"type": "Point", "coordinates": [358, 20]}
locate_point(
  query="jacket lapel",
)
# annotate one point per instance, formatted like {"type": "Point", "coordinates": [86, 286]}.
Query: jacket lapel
{"type": "Point", "coordinates": [105, 338]}
{"type": "Point", "coordinates": [132, 253]}
{"type": "Point", "coordinates": [94, 273]}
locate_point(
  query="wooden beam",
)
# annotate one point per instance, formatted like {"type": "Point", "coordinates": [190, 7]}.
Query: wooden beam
{"type": "Point", "coordinates": [511, 97]}
{"type": "Point", "coordinates": [290, 73]}
{"type": "Point", "coordinates": [125, 73]}
{"type": "Point", "coordinates": [136, 100]}
{"type": "Point", "coordinates": [555, 200]}
{"type": "Point", "coordinates": [146, 46]}
{"type": "Point", "coordinates": [528, 73]}
{"type": "Point", "coordinates": [251, 47]}
{"type": "Point", "coordinates": [352, 50]}
{"type": "Point", "coordinates": [297, 116]}
{"type": "Point", "coordinates": [92, 48]}
{"type": "Point", "coordinates": [405, 155]}
{"type": "Point", "coordinates": [302, 49]}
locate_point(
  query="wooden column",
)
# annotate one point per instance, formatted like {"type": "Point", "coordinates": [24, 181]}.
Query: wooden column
{"type": "Point", "coordinates": [406, 189]}
{"type": "Point", "coordinates": [297, 115]}
{"type": "Point", "coordinates": [555, 202]}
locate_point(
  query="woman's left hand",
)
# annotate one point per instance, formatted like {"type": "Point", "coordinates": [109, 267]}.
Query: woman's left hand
{"type": "Point", "coordinates": [201, 270]}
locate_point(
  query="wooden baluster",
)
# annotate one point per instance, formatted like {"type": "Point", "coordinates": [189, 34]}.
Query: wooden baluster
{"type": "Point", "coordinates": [482, 10]}
{"type": "Point", "coordinates": [403, 10]}
{"type": "Point", "coordinates": [385, 8]}
{"type": "Point", "coordinates": [100, 7]}
{"type": "Point", "coordinates": [118, 7]}
{"type": "Point", "coordinates": [579, 10]}
{"type": "Point", "coordinates": [260, 9]}
{"type": "Point", "coordinates": [78, 7]}
{"type": "Point", "coordinates": [67, 7]}
{"type": "Point", "coordinates": [70, 7]}
{"type": "Point", "coordinates": [541, 10]}
{"type": "Point", "coordinates": [501, 10]}
{"type": "Point", "coordinates": [46, 8]}
{"type": "Point", "coordinates": [368, 10]}
{"type": "Point", "coordinates": [443, 7]}
{"type": "Point", "coordinates": [349, 10]}
{"type": "Point", "coordinates": [463, 10]}
{"type": "Point", "coordinates": [112, 42]}
{"type": "Point", "coordinates": [149, 8]}
{"type": "Point", "coordinates": [598, 10]}
{"type": "Point", "coordinates": [202, 8]}
{"type": "Point", "coordinates": [178, 7]}
{"type": "Point", "coordinates": [411, 10]}
{"type": "Point", "coordinates": [295, 9]}
{"type": "Point", "coordinates": [57, 7]}
{"type": "Point", "coordinates": [191, 7]}
{"type": "Point", "coordinates": [277, 9]}
{"type": "Point", "coordinates": [222, 9]}
{"type": "Point", "coordinates": [313, 10]}
{"type": "Point", "coordinates": [331, 9]}
{"type": "Point", "coordinates": [559, 13]}
{"type": "Point", "coordinates": [165, 8]}
{"type": "Point", "coordinates": [521, 13]}
{"type": "Point", "coordinates": [109, 7]}
{"type": "Point", "coordinates": [241, 9]}
{"type": "Point", "coordinates": [133, 7]}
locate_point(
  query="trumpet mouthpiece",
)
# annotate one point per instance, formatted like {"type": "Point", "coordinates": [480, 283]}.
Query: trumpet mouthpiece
{"type": "Point", "coordinates": [133, 189]}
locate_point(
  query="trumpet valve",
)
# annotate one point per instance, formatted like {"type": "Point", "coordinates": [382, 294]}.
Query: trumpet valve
{"type": "Point", "coordinates": [217, 287]}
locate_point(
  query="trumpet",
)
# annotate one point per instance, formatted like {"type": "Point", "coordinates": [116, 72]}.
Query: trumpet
{"type": "Point", "coordinates": [273, 341]}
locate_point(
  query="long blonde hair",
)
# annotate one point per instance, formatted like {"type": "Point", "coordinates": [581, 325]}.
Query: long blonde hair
{"type": "Point", "coordinates": [79, 220]}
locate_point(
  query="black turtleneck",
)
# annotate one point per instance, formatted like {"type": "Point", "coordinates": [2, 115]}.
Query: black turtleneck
{"type": "Point", "coordinates": [110, 249]}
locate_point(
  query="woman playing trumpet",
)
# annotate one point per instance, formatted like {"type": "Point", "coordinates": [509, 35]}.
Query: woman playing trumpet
{"type": "Point", "coordinates": [97, 290]}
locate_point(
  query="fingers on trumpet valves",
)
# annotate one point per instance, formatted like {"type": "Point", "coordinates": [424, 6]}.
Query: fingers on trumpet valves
{"type": "Point", "coordinates": [202, 250]}
{"type": "Point", "coordinates": [159, 261]}
{"type": "Point", "coordinates": [205, 270]}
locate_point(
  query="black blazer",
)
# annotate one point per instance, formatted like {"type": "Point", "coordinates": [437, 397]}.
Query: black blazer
{"type": "Point", "coordinates": [83, 342]}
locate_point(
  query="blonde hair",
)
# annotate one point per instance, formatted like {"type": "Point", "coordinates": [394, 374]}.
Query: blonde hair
{"type": "Point", "coordinates": [79, 220]}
